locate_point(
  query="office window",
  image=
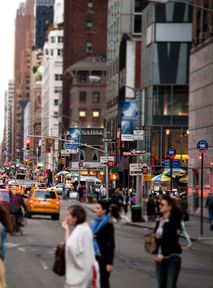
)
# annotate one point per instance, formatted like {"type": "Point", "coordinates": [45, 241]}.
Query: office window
{"type": "Point", "coordinates": [55, 102]}
{"type": "Point", "coordinates": [60, 52]}
{"type": "Point", "coordinates": [60, 39]}
{"type": "Point", "coordinates": [52, 52]}
{"type": "Point", "coordinates": [52, 39]}
{"type": "Point", "coordinates": [82, 97]}
{"type": "Point", "coordinates": [89, 25]}
{"type": "Point", "coordinates": [95, 114]}
{"type": "Point", "coordinates": [137, 24]}
{"type": "Point", "coordinates": [58, 77]}
{"type": "Point", "coordinates": [89, 47]}
{"type": "Point", "coordinates": [57, 89]}
{"type": "Point", "coordinates": [90, 4]}
{"type": "Point", "coordinates": [96, 97]}
{"type": "Point", "coordinates": [139, 5]}
{"type": "Point", "coordinates": [83, 77]}
{"type": "Point", "coordinates": [82, 115]}
{"type": "Point", "coordinates": [47, 52]}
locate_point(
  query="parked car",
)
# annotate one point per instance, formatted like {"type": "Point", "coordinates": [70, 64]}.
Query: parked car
{"type": "Point", "coordinates": [43, 202]}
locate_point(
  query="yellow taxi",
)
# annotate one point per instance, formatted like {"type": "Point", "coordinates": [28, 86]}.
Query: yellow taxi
{"type": "Point", "coordinates": [43, 202]}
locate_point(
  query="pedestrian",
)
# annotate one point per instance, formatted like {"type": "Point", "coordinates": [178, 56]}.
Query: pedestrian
{"type": "Point", "coordinates": [5, 228]}
{"type": "Point", "coordinates": [209, 205]}
{"type": "Point", "coordinates": [125, 200]}
{"type": "Point", "coordinates": [104, 241]}
{"type": "Point", "coordinates": [103, 192]}
{"type": "Point", "coordinates": [150, 206]}
{"type": "Point", "coordinates": [168, 254]}
{"type": "Point", "coordinates": [80, 192]}
{"type": "Point", "coordinates": [79, 254]}
{"type": "Point", "coordinates": [97, 192]}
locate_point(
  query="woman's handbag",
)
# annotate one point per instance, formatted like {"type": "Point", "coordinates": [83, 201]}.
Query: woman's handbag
{"type": "Point", "coordinates": [59, 264]}
{"type": "Point", "coordinates": [150, 243]}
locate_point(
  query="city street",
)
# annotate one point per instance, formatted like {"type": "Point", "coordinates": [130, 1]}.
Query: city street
{"type": "Point", "coordinates": [30, 258]}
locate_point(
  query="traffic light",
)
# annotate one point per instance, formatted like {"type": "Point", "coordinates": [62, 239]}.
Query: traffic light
{"type": "Point", "coordinates": [28, 142]}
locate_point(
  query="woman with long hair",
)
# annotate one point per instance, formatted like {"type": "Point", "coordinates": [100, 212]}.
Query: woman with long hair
{"type": "Point", "coordinates": [79, 254]}
{"type": "Point", "coordinates": [104, 241]}
{"type": "Point", "coordinates": [168, 254]}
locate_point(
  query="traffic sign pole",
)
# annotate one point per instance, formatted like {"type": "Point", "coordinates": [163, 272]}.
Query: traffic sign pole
{"type": "Point", "coordinates": [201, 197]}
{"type": "Point", "coordinates": [202, 146]}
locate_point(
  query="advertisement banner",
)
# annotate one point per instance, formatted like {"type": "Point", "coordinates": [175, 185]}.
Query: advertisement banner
{"type": "Point", "coordinates": [89, 136]}
{"type": "Point", "coordinates": [129, 112]}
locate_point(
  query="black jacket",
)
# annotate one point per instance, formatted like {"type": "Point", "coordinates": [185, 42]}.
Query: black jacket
{"type": "Point", "coordinates": [106, 242]}
{"type": "Point", "coordinates": [169, 240]}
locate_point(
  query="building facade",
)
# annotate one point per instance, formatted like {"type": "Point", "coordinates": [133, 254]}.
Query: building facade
{"type": "Point", "coordinates": [24, 27]}
{"type": "Point", "coordinates": [44, 14]}
{"type": "Point", "coordinates": [200, 99]}
{"type": "Point", "coordinates": [59, 12]}
{"type": "Point", "coordinates": [85, 28]}
{"type": "Point", "coordinates": [9, 119]}
{"type": "Point", "coordinates": [167, 36]}
{"type": "Point", "coordinates": [51, 89]}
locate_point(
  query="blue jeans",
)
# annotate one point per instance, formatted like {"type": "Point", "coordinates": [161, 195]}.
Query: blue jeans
{"type": "Point", "coordinates": [167, 272]}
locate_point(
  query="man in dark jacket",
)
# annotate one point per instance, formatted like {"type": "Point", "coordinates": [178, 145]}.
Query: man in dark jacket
{"type": "Point", "coordinates": [209, 205]}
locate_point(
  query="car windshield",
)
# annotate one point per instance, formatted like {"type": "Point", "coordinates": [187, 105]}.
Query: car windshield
{"type": "Point", "coordinates": [45, 195]}
{"type": "Point", "coordinates": [4, 196]}
{"type": "Point", "coordinates": [13, 186]}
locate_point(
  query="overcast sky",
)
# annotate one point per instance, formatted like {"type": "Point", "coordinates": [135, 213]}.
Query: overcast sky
{"type": "Point", "coordinates": [7, 28]}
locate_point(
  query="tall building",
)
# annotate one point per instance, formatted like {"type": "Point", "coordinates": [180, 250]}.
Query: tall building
{"type": "Point", "coordinates": [9, 119]}
{"type": "Point", "coordinates": [200, 98]}
{"type": "Point", "coordinates": [167, 36]}
{"type": "Point", "coordinates": [59, 12]}
{"type": "Point", "coordinates": [85, 28]}
{"type": "Point", "coordinates": [44, 13]}
{"type": "Point", "coordinates": [51, 90]}
{"type": "Point", "coordinates": [24, 27]}
{"type": "Point", "coordinates": [34, 109]}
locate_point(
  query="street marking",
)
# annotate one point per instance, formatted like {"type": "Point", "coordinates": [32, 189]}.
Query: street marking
{"type": "Point", "coordinates": [44, 265]}
{"type": "Point", "coordinates": [11, 245]}
{"type": "Point", "coordinates": [21, 249]}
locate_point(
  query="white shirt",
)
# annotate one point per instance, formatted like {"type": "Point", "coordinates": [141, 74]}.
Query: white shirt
{"type": "Point", "coordinates": [80, 255]}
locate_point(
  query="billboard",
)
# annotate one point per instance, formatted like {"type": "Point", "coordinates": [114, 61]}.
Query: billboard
{"type": "Point", "coordinates": [129, 114]}
{"type": "Point", "coordinates": [89, 136]}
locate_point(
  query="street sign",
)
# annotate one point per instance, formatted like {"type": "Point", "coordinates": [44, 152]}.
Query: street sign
{"type": "Point", "coordinates": [202, 146]}
{"type": "Point", "coordinates": [127, 137]}
{"type": "Point", "coordinates": [138, 152]}
{"type": "Point", "coordinates": [171, 152]}
{"type": "Point", "coordinates": [105, 159]}
{"type": "Point", "coordinates": [136, 169]}
{"type": "Point", "coordinates": [138, 135]}
{"type": "Point", "coordinates": [107, 140]}
{"type": "Point", "coordinates": [65, 152]}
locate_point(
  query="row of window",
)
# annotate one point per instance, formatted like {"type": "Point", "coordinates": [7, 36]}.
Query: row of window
{"type": "Point", "coordinates": [83, 115]}
{"type": "Point", "coordinates": [58, 77]}
{"type": "Point", "coordinates": [54, 52]}
{"type": "Point", "coordinates": [57, 39]}
{"type": "Point", "coordinates": [95, 97]}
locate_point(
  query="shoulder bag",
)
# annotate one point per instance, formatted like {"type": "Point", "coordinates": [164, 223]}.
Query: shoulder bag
{"type": "Point", "coordinates": [60, 264]}
{"type": "Point", "coordinates": [150, 243]}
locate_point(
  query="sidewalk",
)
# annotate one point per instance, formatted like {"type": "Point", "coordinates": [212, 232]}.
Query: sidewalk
{"type": "Point", "coordinates": [193, 226]}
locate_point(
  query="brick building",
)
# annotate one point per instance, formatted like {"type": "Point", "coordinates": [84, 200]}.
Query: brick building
{"type": "Point", "coordinates": [200, 98]}
{"type": "Point", "coordinates": [85, 28]}
{"type": "Point", "coordinates": [23, 46]}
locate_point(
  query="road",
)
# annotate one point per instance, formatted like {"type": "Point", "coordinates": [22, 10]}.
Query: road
{"type": "Point", "coordinates": [30, 258]}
